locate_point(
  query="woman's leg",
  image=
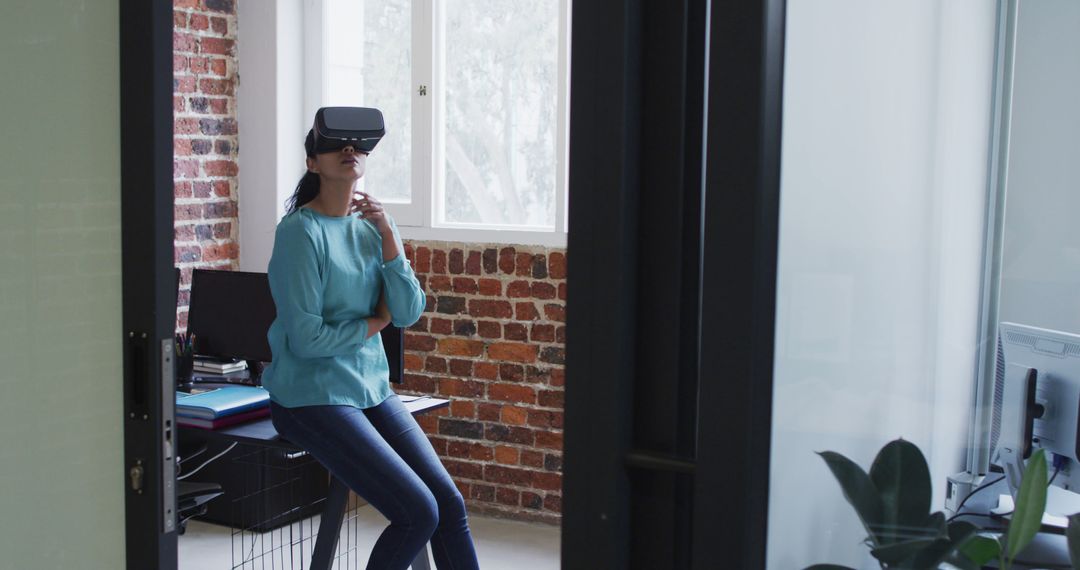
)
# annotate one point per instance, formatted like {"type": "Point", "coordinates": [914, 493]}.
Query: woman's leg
{"type": "Point", "coordinates": [451, 544]}
{"type": "Point", "coordinates": [345, 442]}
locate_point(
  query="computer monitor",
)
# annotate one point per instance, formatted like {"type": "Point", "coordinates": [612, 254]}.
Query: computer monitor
{"type": "Point", "coordinates": [231, 312]}
{"type": "Point", "coordinates": [1040, 396]}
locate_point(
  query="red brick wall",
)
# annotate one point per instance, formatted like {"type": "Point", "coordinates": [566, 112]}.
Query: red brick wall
{"type": "Point", "coordinates": [493, 339]}
{"type": "Point", "coordinates": [204, 139]}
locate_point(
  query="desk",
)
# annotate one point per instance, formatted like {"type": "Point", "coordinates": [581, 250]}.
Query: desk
{"type": "Point", "coordinates": [262, 433]}
{"type": "Point", "coordinates": [1048, 550]}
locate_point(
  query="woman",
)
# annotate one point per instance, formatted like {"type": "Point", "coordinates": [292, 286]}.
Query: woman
{"type": "Point", "coordinates": [337, 279]}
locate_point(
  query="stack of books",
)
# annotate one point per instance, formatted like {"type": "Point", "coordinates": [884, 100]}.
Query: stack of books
{"type": "Point", "coordinates": [217, 407]}
{"type": "Point", "coordinates": [218, 366]}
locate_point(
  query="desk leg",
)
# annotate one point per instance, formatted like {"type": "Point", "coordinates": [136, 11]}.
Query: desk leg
{"type": "Point", "coordinates": [322, 558]}
{"type": "Point", "coordinates": [421, 562]}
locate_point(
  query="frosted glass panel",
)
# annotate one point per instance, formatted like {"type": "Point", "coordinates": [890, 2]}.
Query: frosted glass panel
{"type": "Point", "coordinates": [369, 56]}
{"type": "Point", "coordinates": [61, 458]}
{"type": "Point", "coordinates": [501, 82]}
{"type": "Point", "coordinates": [882, 206]}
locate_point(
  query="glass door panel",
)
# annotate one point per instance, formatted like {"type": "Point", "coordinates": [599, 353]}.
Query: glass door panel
{"type": "Point", "coordinates": [60, 291]}
{"type": "Point", "coordinates": [886, 138]}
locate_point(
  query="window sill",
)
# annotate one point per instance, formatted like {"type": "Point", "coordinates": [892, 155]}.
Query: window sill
{"type": "Point", "coordinates": [472, 235]}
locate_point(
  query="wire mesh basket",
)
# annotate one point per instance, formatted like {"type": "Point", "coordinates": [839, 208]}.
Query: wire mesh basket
{"type": "Point", "coordinates": [276, 512]}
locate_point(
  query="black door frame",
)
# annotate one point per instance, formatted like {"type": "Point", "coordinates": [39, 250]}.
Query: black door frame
{"type": "Point", "coordinates": [672, 250]}
{"type": "Point", "coordinates": [741, 237]}
{"type": "Point", "coordinates": [149, 303]}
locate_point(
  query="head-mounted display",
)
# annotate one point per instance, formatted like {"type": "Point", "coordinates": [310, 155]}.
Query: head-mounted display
{"type": "Point", "coordinates": [338, 127]}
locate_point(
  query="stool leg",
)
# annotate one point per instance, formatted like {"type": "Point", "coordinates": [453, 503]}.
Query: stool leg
{"type": "Point", "coordinates": [322, 557]}
{"type": "Point", "coordinates": [421, 562]}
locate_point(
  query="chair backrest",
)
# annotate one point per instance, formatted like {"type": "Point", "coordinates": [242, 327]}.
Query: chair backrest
{"type": "Point", "coordinates": [393, 340]}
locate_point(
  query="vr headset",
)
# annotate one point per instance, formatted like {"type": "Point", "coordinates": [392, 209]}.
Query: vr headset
{"type": "Point", "coordinates": [338, 127]}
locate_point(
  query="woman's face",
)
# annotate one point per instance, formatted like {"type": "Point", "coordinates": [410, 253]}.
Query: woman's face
{"type": "Point", "coordinates": [346, 165]}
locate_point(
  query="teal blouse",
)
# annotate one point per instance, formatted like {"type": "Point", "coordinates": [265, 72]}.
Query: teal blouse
{"type": "Point", "coordinates": [326, 274]}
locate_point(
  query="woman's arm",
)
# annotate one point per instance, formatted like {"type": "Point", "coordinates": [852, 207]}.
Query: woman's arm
{"type": "Point", "coordinates": [404, 296]}
{"type": "Point", "coordinates": [298, 297]}
{"type": "Point", "coordinates": [401, 289]}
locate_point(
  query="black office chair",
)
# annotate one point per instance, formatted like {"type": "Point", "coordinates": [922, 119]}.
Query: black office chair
{"type": "Point", "coordinates": [192, 497]}
{"type": "Point", "coordinates": [191, 501]}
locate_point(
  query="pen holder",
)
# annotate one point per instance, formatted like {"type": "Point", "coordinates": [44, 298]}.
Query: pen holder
{"type": "Point", "coordinates": [184, 364]}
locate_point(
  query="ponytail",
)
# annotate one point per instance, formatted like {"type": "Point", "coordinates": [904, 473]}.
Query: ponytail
{"type": "Point", "coordinates": [308, 187]}
{"type": "Point", "coordinates": [306, 190]}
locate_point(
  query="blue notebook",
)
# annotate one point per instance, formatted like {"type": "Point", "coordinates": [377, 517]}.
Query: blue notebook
{"type": "Point", "coordinates": [212, 403]}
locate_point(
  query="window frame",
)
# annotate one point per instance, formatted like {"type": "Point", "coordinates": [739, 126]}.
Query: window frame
{"type": "Point", "coordinates": [419, 219]}
{"type": "Point", "coordinates": [979, 454]}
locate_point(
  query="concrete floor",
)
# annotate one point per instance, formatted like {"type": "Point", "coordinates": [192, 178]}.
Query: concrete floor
{"type": "Point", "coordinates": [500, 544]}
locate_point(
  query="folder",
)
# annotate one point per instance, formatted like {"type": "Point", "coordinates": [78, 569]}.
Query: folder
{"type": "Point", "coordinates": [213, 403]}
{"type": "Point", "coordinates": [223, 421]}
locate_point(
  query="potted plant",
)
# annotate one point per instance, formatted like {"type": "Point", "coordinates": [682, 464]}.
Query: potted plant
{"type": "Point", "coordinates": [893, 503]}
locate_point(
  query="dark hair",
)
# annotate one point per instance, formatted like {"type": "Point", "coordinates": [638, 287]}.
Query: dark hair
{"type": "Point", "coordinates": [308, 187]}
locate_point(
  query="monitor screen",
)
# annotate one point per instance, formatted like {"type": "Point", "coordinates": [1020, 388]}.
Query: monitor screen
{"type": "Point", "coordinates": [230, 314]}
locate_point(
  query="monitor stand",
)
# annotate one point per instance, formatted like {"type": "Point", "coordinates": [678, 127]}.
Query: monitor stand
{"type": "Point", "coordinates": [1060, 503]}
{"type": "Point", "coordinates": [255, 371]}
{"type": "Point", "coordinates": [1013, 464]}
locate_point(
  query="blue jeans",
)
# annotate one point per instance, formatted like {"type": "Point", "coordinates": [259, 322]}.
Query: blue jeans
{"type": "Point", "coordinates": [382, 454]}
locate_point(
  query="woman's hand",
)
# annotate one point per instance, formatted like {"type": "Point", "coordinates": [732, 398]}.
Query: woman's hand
{"type": "Point", "coordinates": [382, 310]}
{"type": "Point", "coordinates": [381, 319]}
{"type": "Point", "coordinates": [370, 209]}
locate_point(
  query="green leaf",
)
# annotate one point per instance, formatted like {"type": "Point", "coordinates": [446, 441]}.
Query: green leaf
{"type": "Point", "coordinates": [897, 552]}
{"type": "Point", "coordinates": [932, 528]}
{"type": "Point", "coordinates": [960, 561]}
{"type": "Point", "coordinates": [935, 525]}
{"type": "Point", "coordinates": [933, 555]}
{"type": "Point", "coordinates": [1073, 535]}
{"type": "Point", "coordinates": [902, 478]}
{"type": "Point", "coordinates": [859, 491]}
{"type": "Point", "coordinates": [961, 531]}
{"type": "Point", "coordinates": [980, 549]}
{"type": "Point", "coordinates": [1030, 506]}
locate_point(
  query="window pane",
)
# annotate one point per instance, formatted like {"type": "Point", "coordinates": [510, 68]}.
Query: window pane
{"type": "Point", "coordinates": [501, 78]}
{"type": "Point", "coordinates": [1041, 252]}
{"type": "Point", "coordinates": [369, 65]}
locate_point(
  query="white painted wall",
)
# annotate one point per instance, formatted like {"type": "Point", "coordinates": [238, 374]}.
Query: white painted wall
{"type": "Point", "coordinates": [270, 112]}
{"type": "Point", "coordinates": [885, 140]}
{"type": "Point", "coordinates": [1041, 258]}
{"type": "Point", "coordinates": [61, 375]}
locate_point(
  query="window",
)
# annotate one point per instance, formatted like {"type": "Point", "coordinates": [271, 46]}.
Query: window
{"type": "Point", "coordinates": [373, 71]}
{"type": "Point", "coordinates": [474, 94]}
